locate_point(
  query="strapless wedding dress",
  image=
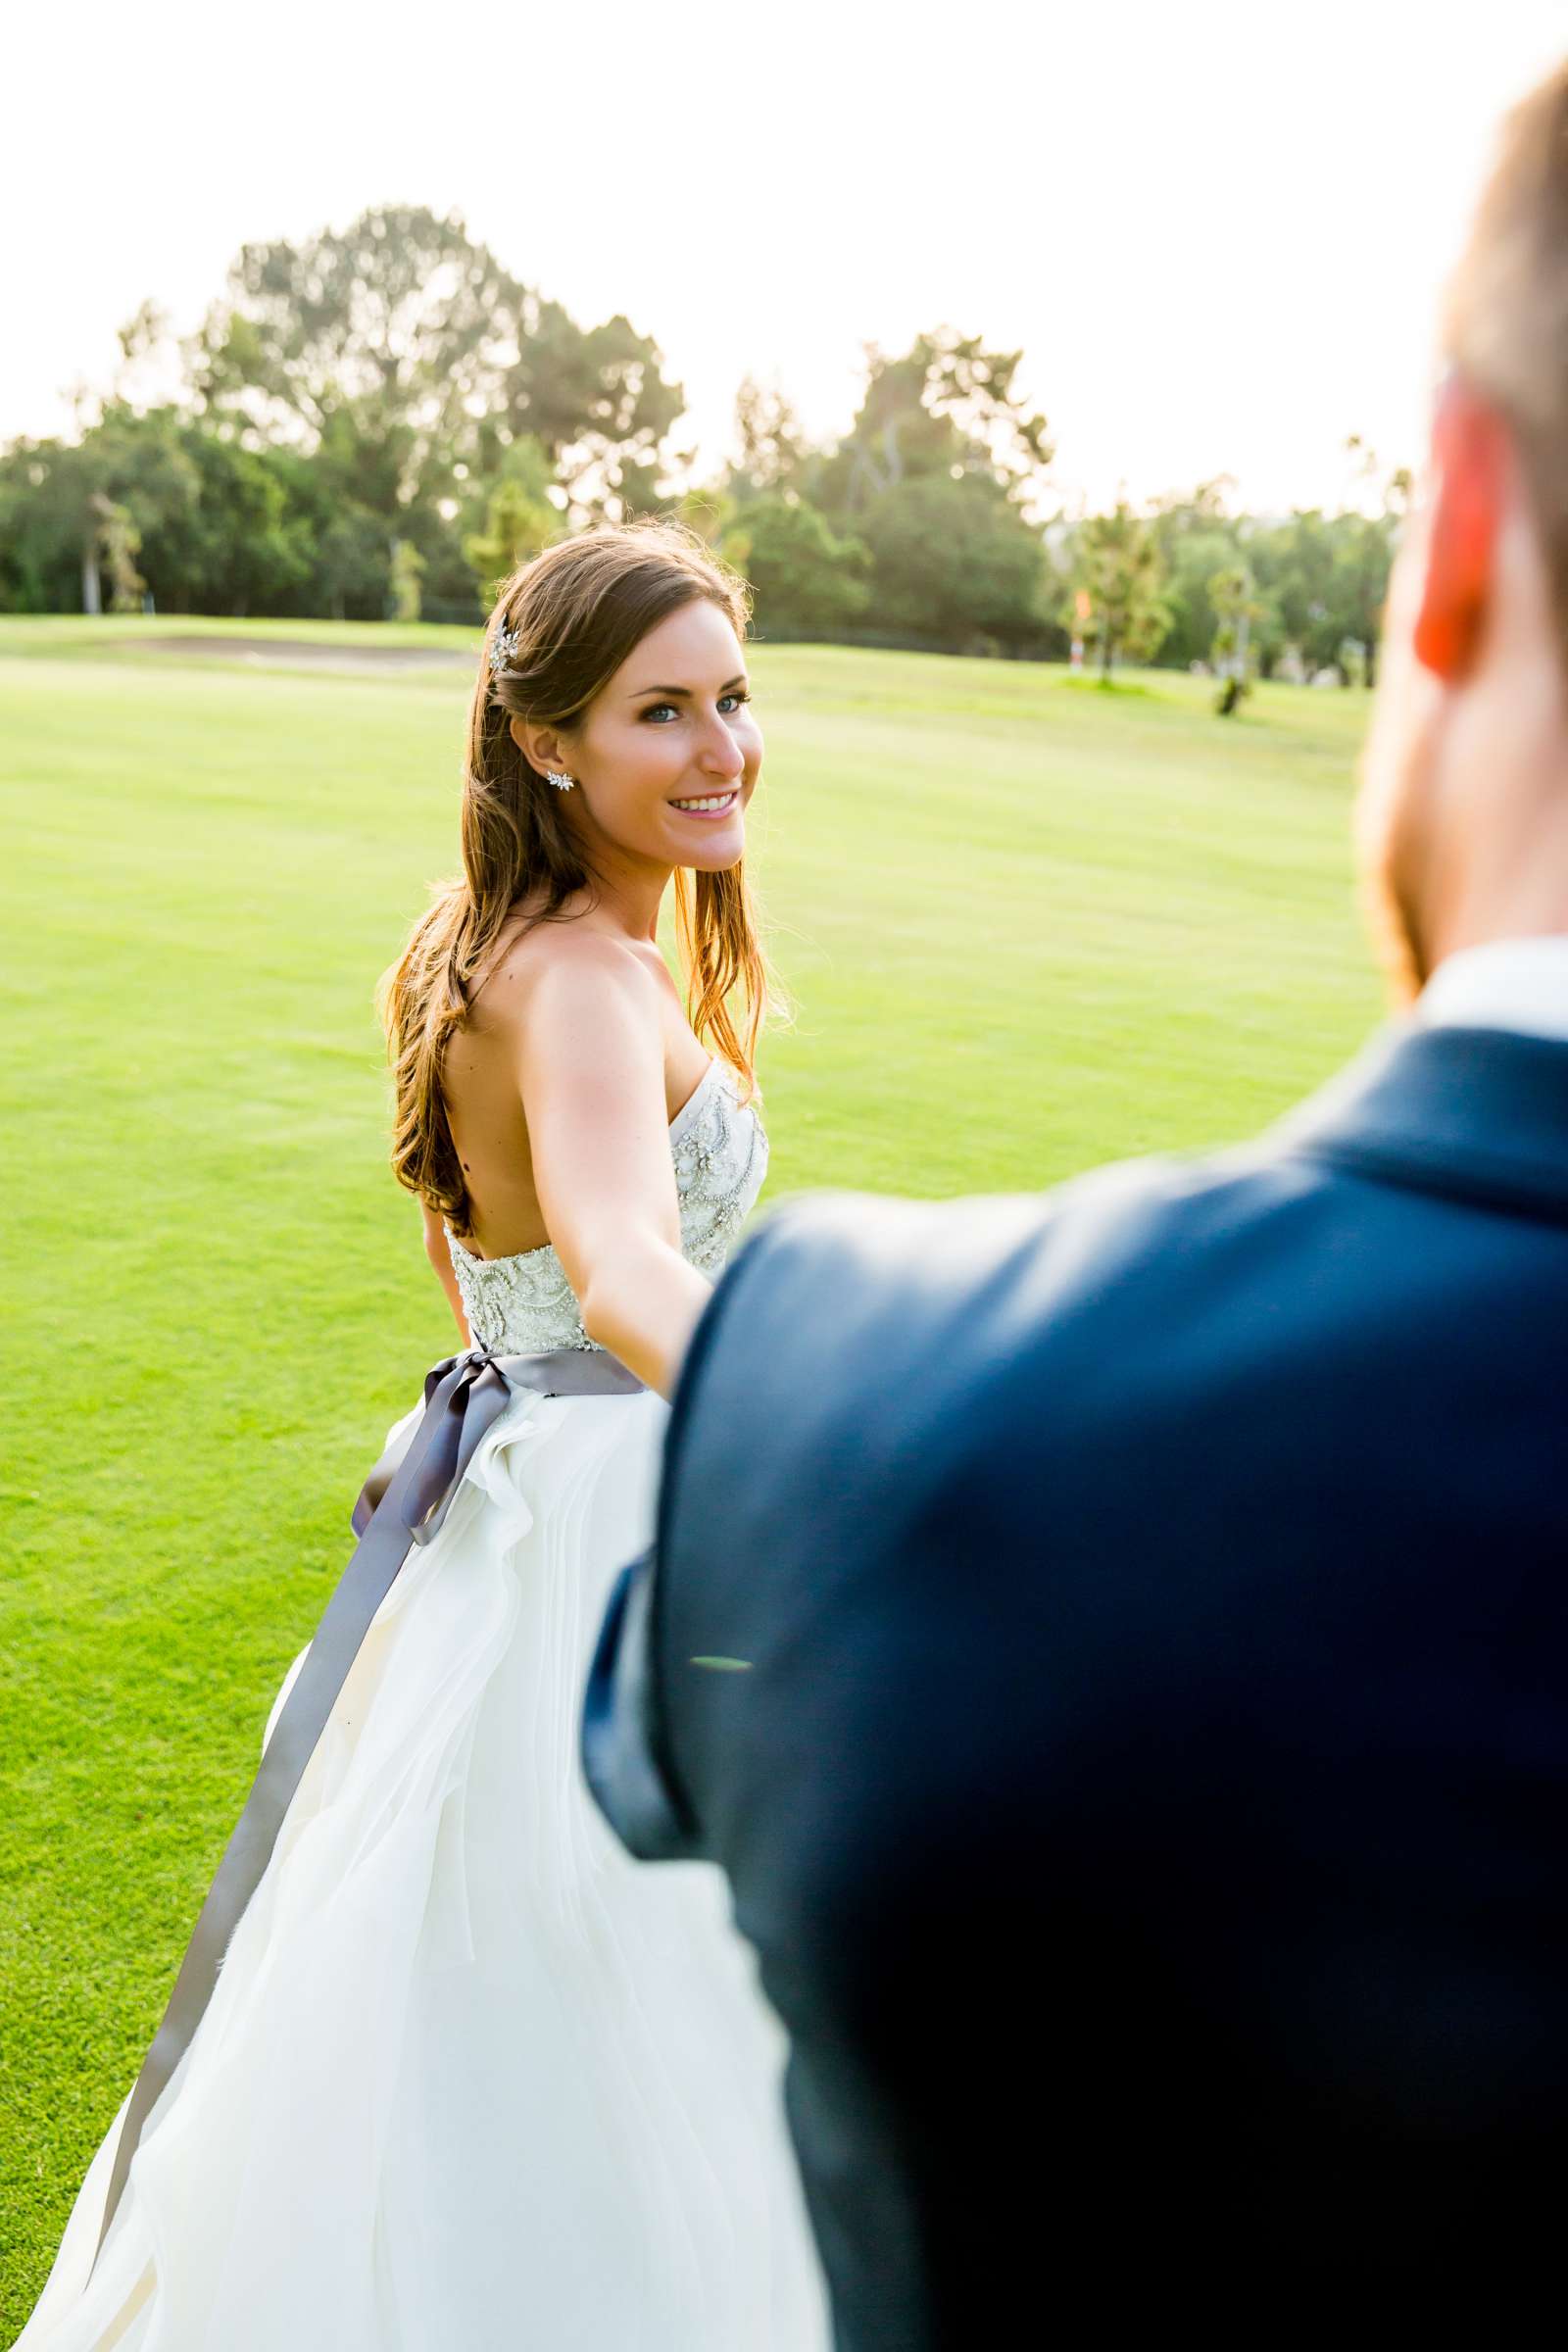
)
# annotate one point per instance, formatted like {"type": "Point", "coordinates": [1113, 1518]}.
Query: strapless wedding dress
{"type": "Point", "coordinates": [470, 2080]}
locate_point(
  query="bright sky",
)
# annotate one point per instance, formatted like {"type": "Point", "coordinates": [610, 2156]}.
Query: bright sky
{"type": "Point", "coordinates": [1217, 232]}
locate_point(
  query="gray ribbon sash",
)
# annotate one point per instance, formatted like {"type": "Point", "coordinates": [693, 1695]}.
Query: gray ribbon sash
{"type": "Point", "coordinates": [403, 1502]}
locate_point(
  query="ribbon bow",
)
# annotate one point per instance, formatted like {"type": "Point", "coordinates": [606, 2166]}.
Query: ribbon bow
{"type": "Point", "coordinates": [463, 1395]}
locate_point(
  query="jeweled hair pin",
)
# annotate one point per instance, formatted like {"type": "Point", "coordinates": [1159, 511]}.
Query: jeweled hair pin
{"type": "Point", "coordinates": [503, 646]}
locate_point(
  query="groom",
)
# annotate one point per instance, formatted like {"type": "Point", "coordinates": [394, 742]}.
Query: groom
{"type": "Point", "coordinates": [1116, 1644]}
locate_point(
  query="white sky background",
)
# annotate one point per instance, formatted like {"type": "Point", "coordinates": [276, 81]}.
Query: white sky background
{"type": "Point", "coordinates": [1217, 232]}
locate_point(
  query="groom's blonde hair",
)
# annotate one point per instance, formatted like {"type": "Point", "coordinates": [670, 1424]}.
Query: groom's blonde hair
{"type": "Point", "coordinates": [1505, 321]}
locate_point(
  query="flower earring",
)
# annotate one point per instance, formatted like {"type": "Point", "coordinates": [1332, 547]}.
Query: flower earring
{"type": "Point", "coordinates": [561, 783]}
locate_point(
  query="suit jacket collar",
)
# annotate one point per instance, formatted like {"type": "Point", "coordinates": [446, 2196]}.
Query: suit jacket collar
{"type": "Point", "coordinates": [1478, 1114]}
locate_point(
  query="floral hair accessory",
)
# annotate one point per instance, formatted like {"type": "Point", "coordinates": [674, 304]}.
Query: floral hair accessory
{"type": "Point", "coordinates": [503, 646]}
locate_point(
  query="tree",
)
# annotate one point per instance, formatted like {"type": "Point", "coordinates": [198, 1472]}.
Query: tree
{"type": "Point", "coordinates": [49, 549]}
{"type": "Point", "coordinates": [113, 540]}
{"type": "Point", "coordinates": [771, 444]}
{"type": "Point", "coordinates": [352, 574]}
{"type": "Point", "coordinates": [217, 528]}
{"type": "Point", "coordinates": [1193, 563]}
{"type": "Point", "coordinates": [394, 322]}
{"type": "Point", "coordinates": [1295, 562]}
{"type": "Point", "coordinates": [711, 513]}
{"type": "Point", "coordinates": [408, 566]}
{"type": "Point", "coordinates": [1327, 578]}
{"type": "Point", "coordinates": [409, 348]}
{"type": "Point", "coordinates": [933, 477]}
{"type": "Point", "coordinates": [1237, 609]}
{"type": "Point", "coordinates": [807, 582]}
{"type": "Point", "coordinates": [246, 544]}
{"type": "Point", "coordinates": [1198, 537]}
{"type": "Point", "coordinates": [519, 518]}
{"type": "Point", "coordinates": [949, 407]}
{"type": "Point", "coordinates": [953, 563]}
{"type": "Point", "coordinates": [76, 512]}
{"type": "Point", "coordinates": [1118, 565]}
{"type": "Point", "coordinates": [1363, 558]}
{"type": "Point", "coordinates": [598, 402]}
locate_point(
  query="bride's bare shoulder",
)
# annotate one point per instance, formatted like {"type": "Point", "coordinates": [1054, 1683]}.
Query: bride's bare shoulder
{"type": "Point", "coordinates": [545, 960]}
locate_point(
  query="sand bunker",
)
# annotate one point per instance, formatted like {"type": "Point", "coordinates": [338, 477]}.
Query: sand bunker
{"type": "Point", "coordinates": [308, 653]}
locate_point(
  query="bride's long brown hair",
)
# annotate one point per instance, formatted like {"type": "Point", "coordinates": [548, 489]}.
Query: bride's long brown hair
{"type": "Point", "coordinates": [577, 610]}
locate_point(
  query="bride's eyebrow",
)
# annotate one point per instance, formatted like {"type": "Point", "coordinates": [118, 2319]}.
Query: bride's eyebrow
{"type": "Point", "coordinates": [673, 689]}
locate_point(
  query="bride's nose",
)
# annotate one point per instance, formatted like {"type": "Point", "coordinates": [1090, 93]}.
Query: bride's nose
{"type": "Point", "coordinates": [720, 755]}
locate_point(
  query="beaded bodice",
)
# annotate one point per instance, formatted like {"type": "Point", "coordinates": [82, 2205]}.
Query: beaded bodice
{"type": "Point", "coordinates": [524, 1306]}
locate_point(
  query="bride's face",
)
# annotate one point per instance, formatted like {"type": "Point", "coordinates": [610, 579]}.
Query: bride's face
{"type": "Point", "coordinates": [672, 726]}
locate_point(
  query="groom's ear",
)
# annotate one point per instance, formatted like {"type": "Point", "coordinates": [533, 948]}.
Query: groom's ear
{"type": "Point", "coordinates": [1471, 473]}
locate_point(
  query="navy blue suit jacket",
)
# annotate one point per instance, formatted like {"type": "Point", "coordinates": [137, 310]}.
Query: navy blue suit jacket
{"type": "Point", "coordinates": [1116, 1645]}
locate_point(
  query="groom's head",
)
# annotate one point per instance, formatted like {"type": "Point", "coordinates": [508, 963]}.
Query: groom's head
{"type": "Point", "coordinates": [1464, 805]}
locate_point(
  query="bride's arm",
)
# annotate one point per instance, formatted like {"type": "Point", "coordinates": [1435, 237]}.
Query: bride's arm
{"type": "Point", "coordinates": [440, 1256]}
{"type": "Point", "coordinates": [591, 1071]}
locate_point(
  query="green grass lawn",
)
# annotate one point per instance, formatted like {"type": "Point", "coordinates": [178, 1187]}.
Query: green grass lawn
{"type": "Point", "coordinates": [1028, 926]}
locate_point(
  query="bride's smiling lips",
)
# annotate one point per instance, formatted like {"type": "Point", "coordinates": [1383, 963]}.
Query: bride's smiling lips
{"type": "Point", "coordinates": [725, 803]}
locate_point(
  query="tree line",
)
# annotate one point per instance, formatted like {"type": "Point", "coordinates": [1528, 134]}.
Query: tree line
{"type": "Point", "coordinates": [380, 422]}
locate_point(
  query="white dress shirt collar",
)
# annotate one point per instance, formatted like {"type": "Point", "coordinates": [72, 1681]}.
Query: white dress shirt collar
{"type": "Point", "coordinates": [1519, 984]}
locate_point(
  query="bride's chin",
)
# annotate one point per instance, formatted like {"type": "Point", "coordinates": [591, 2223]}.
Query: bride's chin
{"type": "Point", "coordinates": [724, 857]}
{"type": "Point", "coordinates": [723, 846]}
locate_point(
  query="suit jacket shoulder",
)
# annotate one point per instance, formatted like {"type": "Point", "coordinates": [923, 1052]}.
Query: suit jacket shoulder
{"type": "Point", "coordinates": [853, 1326]}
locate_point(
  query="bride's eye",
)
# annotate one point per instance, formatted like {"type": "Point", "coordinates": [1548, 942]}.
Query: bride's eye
{"type": "Point", "coordinates": [735, 696]}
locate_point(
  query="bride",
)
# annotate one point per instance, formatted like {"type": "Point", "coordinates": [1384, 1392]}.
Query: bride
{"type": "Point", "coordinates": [468, 2077]}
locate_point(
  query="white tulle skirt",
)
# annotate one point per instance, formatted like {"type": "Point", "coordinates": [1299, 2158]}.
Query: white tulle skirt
{"type": "Point", "coordinates": [471, 2079]}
